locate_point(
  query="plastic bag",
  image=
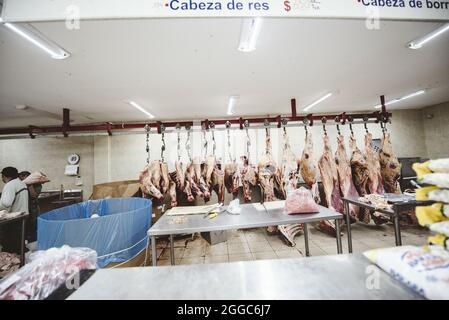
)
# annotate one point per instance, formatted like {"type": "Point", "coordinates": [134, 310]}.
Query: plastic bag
{"type": "Point", "coordinates": [36, 177]}
{"type": "Point", "coordinates": [300, 201]}
{"type": "Point", "coordinates": [46, 271]}
{"type": "Point", "coordinates": [423, 269]}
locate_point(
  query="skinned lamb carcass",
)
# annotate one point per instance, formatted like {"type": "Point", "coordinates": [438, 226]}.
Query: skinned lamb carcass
{"type": "Point", "coordinates": [232, 178]}
{"type": "Point", "coordinates": [217, 182]}
{"type": "Point", "coordinates": [154, 169]}
{"type": "Point", "coordinates": [266, 170]}
{"type": "Point", "coordinates": [390, 168]}
{"type": "Point", "coordinates": [308, 168]}
{"type": "Point", "coordinates": [173, 195]}
{"type": "Point", "coordinates": [360, 175]}
{"type": "Point", "coordinates": [165, 182]}
{"type": "Point", "coordinates": [249, 178]}
{"type": "Point", "coordinates": [190, 177]}
{"type": "Point", "coordinates": [148, 188]}
{"type": "Point", "coordinates": [290, 166]}
{"type": "Point", "coordinates": [199, 179]}
{"type": "Point", "coordinates": [329, 179]}
{"type": "Point", "coordinates": [347, 187]}
{"type": "Point", "coordinates": [209, 166]}
{"type": "Point", "coordinates": [374, 184]}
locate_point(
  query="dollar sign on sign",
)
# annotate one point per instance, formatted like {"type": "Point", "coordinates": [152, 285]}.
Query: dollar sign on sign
{"type": "Point", "coordinates": [287, 6]}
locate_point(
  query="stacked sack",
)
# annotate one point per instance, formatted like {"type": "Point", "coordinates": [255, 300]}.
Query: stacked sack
{"type": "Point", "coordinates": [436, 216]}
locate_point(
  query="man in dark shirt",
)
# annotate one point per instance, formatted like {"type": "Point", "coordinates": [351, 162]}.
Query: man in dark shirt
{"type": "Point", "coordinates": [33, 191]}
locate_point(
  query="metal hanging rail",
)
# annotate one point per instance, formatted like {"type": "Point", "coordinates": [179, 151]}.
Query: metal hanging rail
{"type": "Point", "coordinates": [255, 123]}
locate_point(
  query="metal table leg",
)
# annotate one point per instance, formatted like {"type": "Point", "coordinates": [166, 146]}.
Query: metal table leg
{"type": "Point", "coordinates": [172, 251]}
{"type": "Point", "coordinates": [337, 229]}
{"type": "Point", "coordinates": [153, 251]}
{"type": "Point", "coordinates": [348, 225]}
{"type": "Point", "coordinates": [22, 245]}
{"type": "Point", "coordinates": [397, 229]}
{"type": "Point", "coordinates": [306, 239]}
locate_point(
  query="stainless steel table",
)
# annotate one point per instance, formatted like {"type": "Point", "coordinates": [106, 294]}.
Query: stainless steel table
{"type": "Point", "coordinates": [22, 219]}
{"type": "Point", "coordinates": [394, 213]}
{"type": "Point", "coordinates": [250, 217]}
{"type": "Point", "coordinates": [326, 277]}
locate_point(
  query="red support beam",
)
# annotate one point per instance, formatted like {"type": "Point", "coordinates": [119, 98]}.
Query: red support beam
{"type": "Point", "coordinates": [293, 106]}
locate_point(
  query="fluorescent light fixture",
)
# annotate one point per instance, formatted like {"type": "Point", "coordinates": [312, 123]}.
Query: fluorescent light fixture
{"type": "Point", "coordinates": [135, 105]}
{"type": "Point", "coordinates": [249, 34]}
{"type": "Point", "coordinates": [317, 102]}
{"type": "Point", "coordinates": [231, 104]}
{"type": "Point", "coordinates": [418, 43]}
{"type": "Point", "coordinates": [414, 94]}
{"type": "Point", "coordinates": [38, 39]}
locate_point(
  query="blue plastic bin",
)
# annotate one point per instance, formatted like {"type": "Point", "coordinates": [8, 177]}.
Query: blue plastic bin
{"type": "Point", "coordinates": [118, 234]}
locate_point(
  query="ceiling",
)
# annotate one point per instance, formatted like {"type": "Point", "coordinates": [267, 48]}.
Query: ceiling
{"type": "Point", "coordinates": [188, 68]}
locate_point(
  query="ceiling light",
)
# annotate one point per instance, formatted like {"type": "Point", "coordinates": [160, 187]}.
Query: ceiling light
{"type": "Point", "coordinates": [38, 39]}
{"type": "Point", "coordinates": [317, 102]}
{"type": "Point", "coordinates": [249, 34]}
{"type": "Point", "coordinates": [135, 105]}
{"type": "Point", "coordinates": [231, 104]}
{"type": "Point", "coordinates": [414, 94]}
{"type": "Point", "coordinates": [418, 43]}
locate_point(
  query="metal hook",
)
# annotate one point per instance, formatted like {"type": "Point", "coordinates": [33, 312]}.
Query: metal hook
{"type": "Point", "coordinates": [188, 148]}
{"type": "Point", "coordinates": [365, 120]}
{"type": "Point", "coordinates": [324, 120]}
{"type": "Point", "coordinates": [305, 121]}
{"type": "Point", "coordinates": [248, 138]}
{"type": "Point", "coordinates": [178, 129]}
{"type": "Point", "coordinates": [147, 131]}
{"type": "Point", "coordinates": [337, 121]}
{"type": "Point", "coordinates": [214, 145]}
{"type": "Point", "coordinates": [228, 126]}
{"type": "Point", "coordinates": [350, 120]}
{"type": "Point", "coordinates": [163, 142]}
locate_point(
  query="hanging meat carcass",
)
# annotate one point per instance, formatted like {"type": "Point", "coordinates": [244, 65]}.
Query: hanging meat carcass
{"type": "Point", "coordinates": [266, 170]}
{"type": "Point", "coordinates": [165, 181]}
{"type": "Point", "coordinates": [190, 178]}
{"type": "Point", "coordinates": [232, 177]}
{"type": "Point", "coordinates": [182, 186]}
{"type": "Point", "coordinates": [308, 169]}
{"type": "Point", "coordinates": [329, 179]}
{"type": "Point", "coordinates": [249, 178]}
{"type": "Point", "coordinates": [217, 182]}
{"type": "Point", "coordinates": [149, 177]}
{"type": "Point", "coordinates": [172, 192]}
{"type": "Point", "coordinates": [390, 168]}
{"type": "Point", "coordinates": [346, 184]}
{"type": "Point", "coordinates": [360, 175]}
{"type": "Point", "coordinates": [374, 184]}
{"type": "Point", "coordinates": [200, 180]}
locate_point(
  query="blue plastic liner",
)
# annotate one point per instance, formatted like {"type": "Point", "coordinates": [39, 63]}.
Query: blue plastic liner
{"type": "Point", "coordinates": [117, 235]}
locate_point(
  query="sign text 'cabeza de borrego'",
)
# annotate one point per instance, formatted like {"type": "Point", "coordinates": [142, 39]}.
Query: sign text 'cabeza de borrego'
{"type": "Point", "coordinates": [50, 10]}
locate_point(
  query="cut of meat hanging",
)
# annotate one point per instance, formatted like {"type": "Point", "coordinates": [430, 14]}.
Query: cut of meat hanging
{"type": "Point", "coordinates": [347, 188]}
{"type": "Point", "coordinates": [165, 180]}
{"type": "Point", "coordinates": [231, 177]}
{"type": "Point", "coordinates": [372, 160]}
{"type": "Point", "coordinates": [249, 178]}
{"type": "Point", "coordinates": [290, 166]}
{"type": "Point", "coordinates": [199, 179]}
{"type": "Point", "coordinates": [266, 169]}
{"type": "Point", "coordinates": [360, 175]}
{"type": "Point", "coordinates": [329, 178]}
{"type": "Point", "coordinates": [173, 196]}
{"type": "Point", "coordinates": [148, 188]}
{"type": "Point", "coordinates": [217, 180]}
{"type": "Point", "coordinates": [390, 168]}
{"type": "Point", "coordinates": [308, 168]}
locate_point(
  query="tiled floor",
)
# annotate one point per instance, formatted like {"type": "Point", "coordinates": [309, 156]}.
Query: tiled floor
{"type": "Point", "coordinates": [256, 244]}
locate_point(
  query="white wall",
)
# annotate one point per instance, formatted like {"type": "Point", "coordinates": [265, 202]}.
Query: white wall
{"type": "Point", "coordinates": [106, 159]}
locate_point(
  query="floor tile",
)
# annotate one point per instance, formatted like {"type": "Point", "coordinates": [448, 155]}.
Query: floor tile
{"type": "Point", "coordinates": [194, 252]}
{"type": "Point", "coordinates": [282, 254]}
{"type": "Point", "coordinates": [264, 255]}
{"type": "Point", "coordinates": [255, 237]}
{"type": "Point", "coordinates": [198, 260]}
{"type": "Point", "coordinates": [216, 259]}
{"type": "Point", "coordinates": [240, 257]}
{"type": "Point", "coordinates": [259, 247]}
{"type": "Point", "coordinates": [237, 248]}
{"type": "Point", "coordinates": [217, 249]}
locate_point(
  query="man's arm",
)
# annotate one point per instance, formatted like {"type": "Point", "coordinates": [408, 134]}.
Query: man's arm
{"type": "Point", "coordinates": [7, 198]}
